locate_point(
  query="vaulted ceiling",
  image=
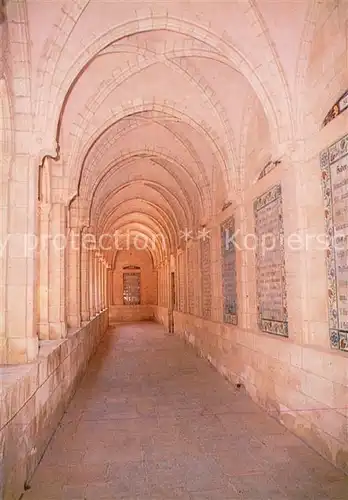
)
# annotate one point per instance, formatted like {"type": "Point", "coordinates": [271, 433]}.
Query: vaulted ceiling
{"type": "Point", "coordinates": [164, 111]}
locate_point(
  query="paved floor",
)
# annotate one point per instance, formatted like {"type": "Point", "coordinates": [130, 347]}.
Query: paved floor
{"type": "Point", "coordinates": [151, 420]}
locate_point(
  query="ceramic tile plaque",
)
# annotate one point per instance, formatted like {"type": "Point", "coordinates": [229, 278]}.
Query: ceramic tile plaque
{"type": "Point", "coordinates": [270, 263]}
{"type": "Point", "coordinates": [206, 278]}
{"type": "Point", "coordinates": [334, 166]}
{"type": "Point", "coordinates": [338, 108]}
{"type": "Point", "coordinates": [229, 279]}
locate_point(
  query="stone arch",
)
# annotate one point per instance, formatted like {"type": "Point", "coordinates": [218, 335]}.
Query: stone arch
{"type": "Point", "coordinates": [19, 51]}
{"type": "Point", "coordinates": [163, 194]}
{"type": "Point", "coordinates": [167, 218]}
{"type": "Point", "coordinates": [322, 74]}
{"type": "Point", "coordinates": [254, 118]}
{"type": "Point", "coordinates": [259, 83]}
{"type": "Point", "coordinates": [22, 172]}
{"type": "Point", "coordinates": [126, 112]}
{"type": "Point", "coordinates": [154, 214]}
{"type": "Point", "coordinates": [122, 161]}
{"type": "Point", "coordinates": [89, 166]}
{"type": "Point", "coordinates": [142, 228]}
{"type": "Point", "coordinates": [202, 85]}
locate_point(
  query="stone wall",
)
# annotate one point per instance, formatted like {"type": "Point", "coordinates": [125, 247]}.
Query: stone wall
{"type": "Point", "coordinates": [161, 315]}
{"type": "Point", "coordinates": [303, 387]}
{"type": "Point", "coordinates": [148, 276]}
{"type": "Point", "coordinates": [130, 313]}
{"type": "Point", "coordinates": [293, 360]}
{"type": "Point", "coordinates": [34, 398]}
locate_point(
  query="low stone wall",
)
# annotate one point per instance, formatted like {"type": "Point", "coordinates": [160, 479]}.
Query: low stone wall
{"type": "Point", "coordinates": [119, 314]}
{"type": "Point", "coordinates": [161, 315]}
{"type": "Point", "coordinates": [34, 398]}
{"type": "Point", "coordinates": [304, 387]}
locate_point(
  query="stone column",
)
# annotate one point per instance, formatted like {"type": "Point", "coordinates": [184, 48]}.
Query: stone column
{"type": "Point", "coordinates": [216, 282]}
{"type": "Point", "coordinates": [57, 272]}
{"type": "Point", "coordinates": [73, 278]}
{"type": "Point", "coordinates": [104, 280]}
{"type": "Point", "coordinates": [97, 283]}
{"type": "Point", "coordinates": [109, 293]}
{"type": "Point", "coordinates": [43, 278]}
{"type": "Point", "coordinates": [102, 269]}
{"type": "Point", "coordinates": [107, 286]}
{"type": "Point", "coordinates": [85, 283]}
{"type": "Point", "coordinates": [101, 280]}
{"type": "Point", "coordinates": [92, 284]}
{"type": "Point", "coordinates": [98, 264]}
{"type": "Point", "coordinates": [6, 162]}
{"type": "Point", "coordinates": [186, 307]}
{"type": "Point", "coordinates": [101, 285]}
{"type": "Point", "coordinates": [104, 285]}
{"type": "Point", "coordinates": [18, 254]}
{"type": "Point", "coordinates": [247, 318]}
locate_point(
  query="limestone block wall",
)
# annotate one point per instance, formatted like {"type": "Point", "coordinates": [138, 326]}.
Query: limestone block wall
{"type": "Point", "coordinates": [301, 375]}
{"type": "Point", "coordinates": [131, 313]}
{"type": "Point", "coordinates": [148, 286]}
{"type": "Point", "coordinates": [299, 387]}
{"type": "Point", "coordinates": [34, 398]}
{"type": "Point", "coordinates": [161, 315]}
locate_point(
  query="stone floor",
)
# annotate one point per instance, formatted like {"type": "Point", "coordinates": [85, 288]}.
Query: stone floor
{"type": "Point", "coordinates": [151, 420]}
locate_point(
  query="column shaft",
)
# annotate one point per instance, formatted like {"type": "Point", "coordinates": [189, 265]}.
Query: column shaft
{"type": "Point", "coordinates": [73, 278]}
{"type": "Point", "coordinates": [85, 284]}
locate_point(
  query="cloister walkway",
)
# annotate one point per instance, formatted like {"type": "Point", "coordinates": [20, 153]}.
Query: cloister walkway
{"type": "Point", "coordinates": [151, 420]}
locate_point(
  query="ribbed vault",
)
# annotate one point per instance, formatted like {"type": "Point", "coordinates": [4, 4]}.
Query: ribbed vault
{"type": "Point", "coordinates": [151, 134]}
{"type": "Point", "coordinates": [156, 114]}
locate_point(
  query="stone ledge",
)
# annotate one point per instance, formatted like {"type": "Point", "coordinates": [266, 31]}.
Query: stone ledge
{"type": "Point", "coordinates": [33, 400]}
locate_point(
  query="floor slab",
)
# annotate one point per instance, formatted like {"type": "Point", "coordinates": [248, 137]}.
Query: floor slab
{"type": "Point", "coordinates": [152, 420]}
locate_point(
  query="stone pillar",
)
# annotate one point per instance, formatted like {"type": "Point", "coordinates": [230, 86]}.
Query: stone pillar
{"type": "Point", "coordinates": [97, 283]}
{"type": "Point", "coordinates": [92, 284]}
{"type": "Point", "coordinates": [216, 282]}
{"type": "Point", "coordinates": [101, 266]}
{"type": "Point", "coordinates": [6, 162]}
{"type": "Point", "coordinates": [85, 284]}
{"type": "Point", "coordinates": [103, 285]}
{"type": "Point", "coordinates": [18, 254]}
{"type": "Point", "coordinates": [247, 318]}
{"type": "Point", "coordinates": [106, 286]}
{"type": "Point", "coordinates": [43, 278]}
{"type": "Point", "coordinates": [73, 278]}
{"type": "Point", "coordinates": [57, 272]}
{"type": "Point", "coordinates": [109, 293]}
{"type": "Point", "coordinates": [186, 307]}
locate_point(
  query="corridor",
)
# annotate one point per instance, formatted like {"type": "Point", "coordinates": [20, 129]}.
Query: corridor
{"type": "Point", "coordinates": [152, 420]}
